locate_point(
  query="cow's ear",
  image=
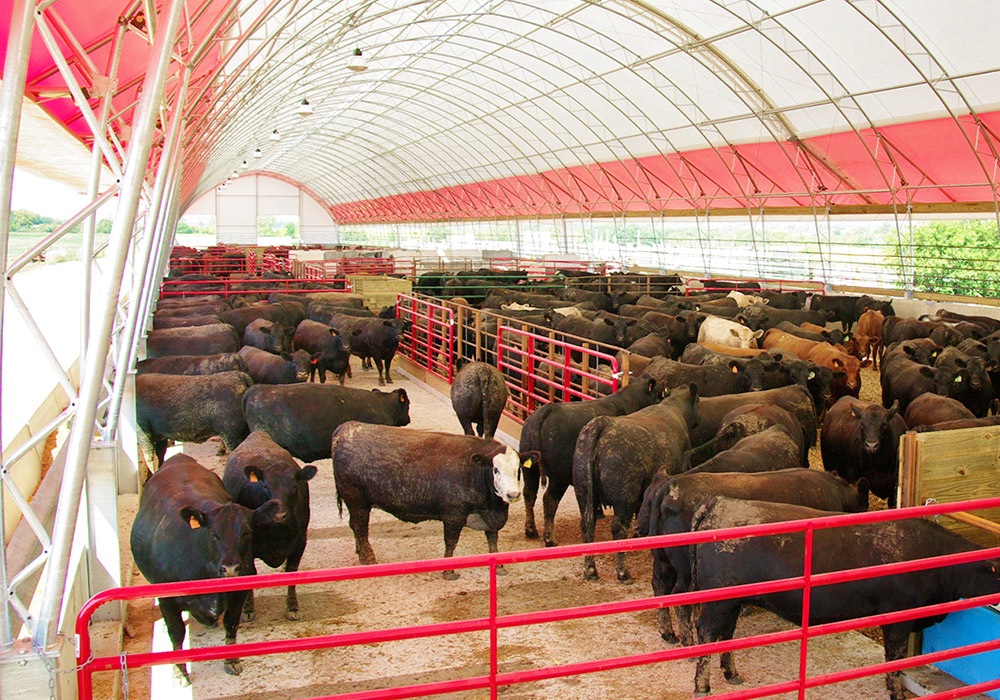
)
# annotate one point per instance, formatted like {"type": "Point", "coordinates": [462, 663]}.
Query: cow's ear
{"type": "Point", "coordinates": [856, 411]}
{"type": "Point", "coordinates": [863, 486]}
{"type": "Point", "coordinates": [865, 362]}
{"type": "Point", "coordinates": [812, 375]}
{"type": "Point", "coordinates": [734, 332]}
{"type": "Point", "coordinates": [734, 366]}
{"type": "Point", "coordinates": [193, 517]}
{"type": "Point", "coordinates": [264, 515]}
{"type": "Point", "coordinates": [286, 357]}
{"type": "Point", "coordinates": [530, 459]}
{"type": "Point", "coordinates": [482, 460]}
{"type": "Point", "coordinates": [264, 329]}
{"type": "Point", "coordinates": [927, 371]}
{"type": "Point", "coordinates": [402, 395]}
{"type": "Point", "coordinates": [961, 363]}
{"type": "Point", "coordinates": [837, 363]}
{"type": "Point", "coordinates": [306, 473]}
{"type": "Point", "coordinates": [893, 410]}
{"type": "Point", "coordinates": [757, 334]}
{"type": "Point", "coordinates": [254, 474]}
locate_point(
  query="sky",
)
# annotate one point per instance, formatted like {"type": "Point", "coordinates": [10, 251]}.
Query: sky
{"type": "Point", "coordinates": [50, 198]}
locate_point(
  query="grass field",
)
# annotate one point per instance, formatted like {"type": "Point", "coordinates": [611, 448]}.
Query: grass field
{"type": "Point", "coordinates": [67, 248]}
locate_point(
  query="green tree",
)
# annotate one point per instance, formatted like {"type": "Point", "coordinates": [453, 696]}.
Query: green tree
{"type": "Point", "coordinates": [950, 257]}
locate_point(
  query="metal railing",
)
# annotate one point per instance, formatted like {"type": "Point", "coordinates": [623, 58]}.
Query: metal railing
{"type": "Point", "coordinates": [430, 341]}
{"type": "Point", "coordinates": [237, 287]}
{"type": "Point", "coordinates": [550, 267]}
{"type": "Point", "coordinates": [89, 663]}
{"type": "Point", "coordinates": [775, 285]}
{"type": "Point", "coordinates": [357, 266]}
{"type": "Point", "coordinates": [539, 369]}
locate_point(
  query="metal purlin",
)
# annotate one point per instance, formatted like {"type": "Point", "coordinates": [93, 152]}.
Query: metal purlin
{"type": "Point", "coordinates": [140, 145]}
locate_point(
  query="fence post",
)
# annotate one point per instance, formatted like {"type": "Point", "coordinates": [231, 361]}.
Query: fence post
{"type": "Point", "coordinates": [493, 629]}
{"type": "Point", "coordinates": [531, 373]}
{"type": "Point", "coordinates": [806, 591]}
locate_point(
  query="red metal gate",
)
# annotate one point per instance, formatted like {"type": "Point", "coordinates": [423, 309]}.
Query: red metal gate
{"type": "Point", "coordinates": [89, 663]}
{"type": "Point", "coordinates": [537, 376]}
{"type": "Point", "coordinates": [430, 341]}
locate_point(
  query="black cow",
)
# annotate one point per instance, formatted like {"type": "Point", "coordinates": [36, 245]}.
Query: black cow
{"type": "Point", "coordinates": [479, 396]}
{"type": "Point", "coordinates": [794, 399]}
{"type": "Point", "coordinates": [920, 350]}
{"type": "Point", "coordinates": [616, 458]}
{"type": "Point", "coordinates": [196, 340]}
{"type": "Point", "coordinates": [783, 300]}
{"type": "Point", "coordinates": [738, 375]}
{"type": "Point", "coordinates": [188, 528]}
{"type": "Point", "coordinates": [164, 322]}
{"type": "Point", "coordinates": [259, 471]}
{"type": "Point", "coordinates": [552, 431]}
{"type": "Point", "coordinates": [269, 336]}
{"type": "Point", "coordinates": [759, 559]}
{"type": "Point", "coordinates": [897, 329]}
{"type": "Point", "coordinates": [373, 339]}
{"type": "Point", "coordinates": [743, 422]}
{"type": "Point", "coordinates": [930, 409]}
{"type": "Point", "coordinates": [669, 506]}
{"type": "Point", "coordinates": [776, 447]}
{"type": "Point", "coordinates": [758, 317]}
{"type": "Point", "coordinates": [241, 318]}
{"type": "Point", "coordinates": [904, 380]}
{"type": "Point", "coordinates": [416, 475]}
{"type": "Point", "coordinates": [861, 439]}
{"type": "Point", "coordinates": [265, 368]}
{"type": "Point", "coordinates": [301, 417]}
{"type": "Point", "coordinates": [193, 364]}
{"type": "Point", "coordinates": [191, 409]}
{"type": "Point", "coordinates": [843, 308]}
{"type": "Point", "coordinates": [977, 393]}
{"type": "Point", "coordinates": [326, 348]}
{"type": "Point", "coordinates": [834, 336]}
{"type": "Point", "coordinates": [989, 421]}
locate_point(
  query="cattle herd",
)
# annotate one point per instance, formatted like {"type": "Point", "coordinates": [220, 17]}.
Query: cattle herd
{"type": "Point", "coordinates": [728, 393]}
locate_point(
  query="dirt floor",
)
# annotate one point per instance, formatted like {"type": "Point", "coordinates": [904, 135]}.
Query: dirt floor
{"type": "Point", "coordinates": [426, 599]}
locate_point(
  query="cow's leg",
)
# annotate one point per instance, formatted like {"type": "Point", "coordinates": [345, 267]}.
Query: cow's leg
{"type": "Point", "coordinates": [452, 531]}
{"type": "Point", "coordinates": [292, 564]}
{"type": "Point", "coordinates": [663, 582]}
{"type": "Point", "coordinates": [359, 515]}
{"type": "Point", "coordinates": [378, 364]}
{"type": "Point", "coordinates": [619, 531]}
{"type": "Point", "coordinates": [894, 639]}
{"type": "Point", "coordinates": [491, 542]}
{"type": "Point", "coordinates": [171, 614]}
{"type": "Point", "coordinates": [322, 375]}
{"type": "Point", "coordinates": [585, 499]}
{"type": "Point", "coordinates": [249, 614]}
{"type": "Point", "coordinates": [342, 375]}
{"type": "Point", "coordinates": [231, 622]}
{"type": "Point", "coordinates": [550, 502]}
{"type": "Point", "coordinates": [715, 621]}
{"type": "Point", "coordinates": [531, 478]}
{"type": "Point", "coordinates": [388, 361]}
{"type": "Point", "coordinates": [160, 448]}
{"type": "Point", "coordinates": [466, 425]}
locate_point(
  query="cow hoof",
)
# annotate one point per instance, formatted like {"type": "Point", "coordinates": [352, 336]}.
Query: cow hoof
{"type": "Point", "coordinates": [381, 383]}
{"type": "Point", "coordinates": [249, 616]}
{"type": "Point", "coordinates": [625, 578]}
{"type": "Point", "coordinates": [233, 667]}
{"type": "Point", "coordinates": [181, 675]}
{"type": "Point", "coordinates": [449, 575]}
{"type": "Point", "coordinates": [389, 380]}
{"type": "Point", "coordinates": [733, 679]}
{"type": "Point", "coordinates": [701, 694]}
{"type": "Point", "coordinates": [590, 575]}
{"type": "Point", "coordinates": [669, 637]}
{"type": "Point", "coordinates": [501, 571]}
{"type": "Point", "coordinates": [221, 451]}
{"type": "Point", "coordinates": [292, 615]}
{"type": "Point", "coordinates": [531, 533]}
{"type": "Point", "coordinates": [550, 543]}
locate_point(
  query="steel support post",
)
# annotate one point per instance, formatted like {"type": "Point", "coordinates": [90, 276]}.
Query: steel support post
{"type": "Point", "coordinates": [92, 374]}
{"type": "Point", "coordinates": [140, 269]}
{"type": "Point", "coordinates": [93, 185]}
{"type": "Point", "coordinates": [11, 97]}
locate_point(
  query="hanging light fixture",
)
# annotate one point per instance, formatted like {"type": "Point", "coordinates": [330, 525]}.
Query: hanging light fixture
{"type": "Point", "coordinates": [227, 182]}
{"type": "Point", "coordinates": [358, 62]}
{"type": "Point", "coordinates": [257, 153]}
{"type": "Point", "coordinates": [244, 165]}
{"type": "Point", "coordinates": [275, 136]}
{"type": "Point", "coordinates": [235, 174]}
{"type": "Point", "coordinates": [304, 109]}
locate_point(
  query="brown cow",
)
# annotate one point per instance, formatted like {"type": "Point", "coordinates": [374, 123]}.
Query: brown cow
{"type": "Point", "coordinates": [800, 347]}
{"type": "Point", "coordinates": [839, 361]}
{"type": "Point", "coordinates": [870, 325]}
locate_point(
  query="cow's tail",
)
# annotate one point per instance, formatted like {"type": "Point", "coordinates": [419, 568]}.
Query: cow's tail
{"type": "Point", "coordinates": [586, 476]}
{"type": "Point", "coordinates": [531, 438]}
{"type": "Point", "coordinates": [491, 389]}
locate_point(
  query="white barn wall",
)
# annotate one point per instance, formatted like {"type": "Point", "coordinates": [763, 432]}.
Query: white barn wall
{"type": "Point", "coordinates": [237, 207]}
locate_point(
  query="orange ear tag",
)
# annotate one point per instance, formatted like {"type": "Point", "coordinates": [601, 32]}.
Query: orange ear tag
{"type": "Point", "coordinates": [253, 478]}
{"type": "Point", "coordinates": [736, 370]}
{"type": "Point", "coordinates": [194, 523]}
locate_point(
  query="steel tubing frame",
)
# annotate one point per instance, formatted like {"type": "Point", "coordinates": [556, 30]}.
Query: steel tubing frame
{"type": "Point", "coordinates": [164, 174]}
{"type": "Point", "coordinates": [92, 373]}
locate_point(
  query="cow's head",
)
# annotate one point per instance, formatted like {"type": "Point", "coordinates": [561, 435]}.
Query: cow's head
{"type": "Point", "coordinates": [875, 423]}
{"type": "Point", "coordinates": [224, 535]}
{"type": "Point", "coordinates": [506, 469]}
{"type": "Point", "coordinates": [277, 483]}
{"type": "Point", "coordinates": [749, 373]}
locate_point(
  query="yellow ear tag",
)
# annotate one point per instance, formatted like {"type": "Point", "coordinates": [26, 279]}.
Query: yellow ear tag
{"type": "Point", "coordinates": [527, 463]}
{"type": "Point", "coordinates": [253, 478]}
{"type": "Point", "coordinates": [194, 523]}
{"type": "Point", "coordinates": [736, 370]}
